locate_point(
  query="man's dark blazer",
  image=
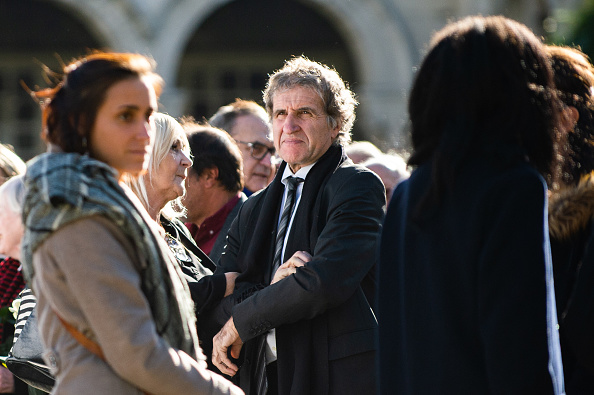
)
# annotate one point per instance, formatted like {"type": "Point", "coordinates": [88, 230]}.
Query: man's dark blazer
{"type": "Point", "coordinates": [325, 328]}
{"type": "Point", "coordinates": [221, 241]}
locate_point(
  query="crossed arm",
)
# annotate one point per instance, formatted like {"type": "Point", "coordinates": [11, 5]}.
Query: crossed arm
{"type": "Point", "coordinates": [308, 285]}
{"type": "Point", "coordinates": [228, 337]}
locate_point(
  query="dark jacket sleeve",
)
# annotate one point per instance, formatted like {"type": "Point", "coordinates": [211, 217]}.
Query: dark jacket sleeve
{"type": "Point", "coordinates": [344, 253]}
{"type": "Point", "coordinates": [208, 291]}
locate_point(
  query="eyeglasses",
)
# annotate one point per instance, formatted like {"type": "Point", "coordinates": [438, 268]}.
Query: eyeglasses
{"type": "Point", "coordinates": [258, 150]}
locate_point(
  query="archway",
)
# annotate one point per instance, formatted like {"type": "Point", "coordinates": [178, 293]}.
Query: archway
{"type": "Point", "coordinates": [31, 34]}
{"type": "Point", "coordinates": [240, 43]}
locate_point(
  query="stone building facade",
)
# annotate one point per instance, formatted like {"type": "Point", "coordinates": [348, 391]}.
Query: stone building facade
{"type": "Point", "coordinates": [212, 51]}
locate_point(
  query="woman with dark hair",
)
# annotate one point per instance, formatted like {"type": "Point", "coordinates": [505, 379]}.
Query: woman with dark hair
{"type": "Point", "coordinates": [571, 212]}
{"type": "Point", "coordinates": [114, 312]}
{"type": "Point", "coordinates": [466, 299]}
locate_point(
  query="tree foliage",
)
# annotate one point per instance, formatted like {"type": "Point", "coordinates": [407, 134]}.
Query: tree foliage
{"type": "Point", "coordinates": [582, 31]}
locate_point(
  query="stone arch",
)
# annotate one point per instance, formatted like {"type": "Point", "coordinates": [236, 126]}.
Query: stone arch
{"type": "Point", "coordinates": [114, 22]}
{"type": "Point", "coordinates": [178, 27]}
{"type": "Point", "coordinates": [374, 30]}
{"type": "Point", "coordinates": [54, 35]}
{"type": "Point", "coordinates": [386, 51]}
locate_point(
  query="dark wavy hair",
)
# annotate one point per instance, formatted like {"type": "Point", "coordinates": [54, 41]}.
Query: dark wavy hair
{"type": "Point", "coordinates": [70, 108]}
{"type": "Point", "coordinates": [485, 80]}
{"type": "Point", "coordinates": [213, 147]}
{"type": "Point", "coordinates": [574, 78]}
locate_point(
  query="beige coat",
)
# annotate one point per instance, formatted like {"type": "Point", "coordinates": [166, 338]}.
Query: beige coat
{"type": "Point", "coordinates": [95, 287]}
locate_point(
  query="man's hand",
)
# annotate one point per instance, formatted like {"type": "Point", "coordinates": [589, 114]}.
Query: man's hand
{"type": "Point", "coordinates": [230, 282]}
{"type": "Point", "coordinates": [300, 258]}
{"type": "Point", "coordinates": [227, 337]}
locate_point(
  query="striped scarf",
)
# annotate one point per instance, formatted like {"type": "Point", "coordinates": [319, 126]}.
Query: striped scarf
{"type": "Point", "coordinates": [64, 187]}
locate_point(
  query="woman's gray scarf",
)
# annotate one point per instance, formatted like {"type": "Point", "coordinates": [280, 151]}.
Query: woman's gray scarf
{"type": "Point", "coordinates": [65, 187]}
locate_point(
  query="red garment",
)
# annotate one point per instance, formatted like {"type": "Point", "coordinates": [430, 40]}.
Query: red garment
{"type": "Point", "coordinates": [11, 281]}
{"type": "Point", "coordinates": [11, 284]}
{"type": "Point", "coordinates": [206, 234]}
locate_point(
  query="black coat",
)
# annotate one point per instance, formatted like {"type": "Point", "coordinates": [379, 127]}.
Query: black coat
{"type": "Point", "coordinates": [206, 289]}
{"type": "Point", "coordinates": [572, 244]}
{"type": "Point", "coordinates": [325, 328]}
{"type": "Point", "coordinates": [221, 241]}
{"type": "Point", "coordinates": [463, 287]}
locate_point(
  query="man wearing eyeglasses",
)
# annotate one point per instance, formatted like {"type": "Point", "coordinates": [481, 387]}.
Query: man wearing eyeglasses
{"type": "Point", "coordinates": [248, 123]}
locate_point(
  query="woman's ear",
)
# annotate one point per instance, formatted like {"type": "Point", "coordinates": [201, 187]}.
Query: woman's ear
{"type": "Point", "coordinates": [574, 114]}
{"type": "Point", "coordinates": [569, 117]}
{"type": "Point", "coordinates": [210, 176]}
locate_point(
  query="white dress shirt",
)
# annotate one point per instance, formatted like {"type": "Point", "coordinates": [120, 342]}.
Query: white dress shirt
{"type": "Point", "coordinates": [301, 173]}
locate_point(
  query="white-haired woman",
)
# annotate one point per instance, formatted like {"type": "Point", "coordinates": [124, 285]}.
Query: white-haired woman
{"type": "Point", "coordinates": [160, 190]}
{"type": "Point", "coordinates": [11, 278]}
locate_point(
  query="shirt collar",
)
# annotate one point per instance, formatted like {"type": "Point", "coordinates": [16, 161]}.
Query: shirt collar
{"type": "Point", "coordinates": [301, 173]}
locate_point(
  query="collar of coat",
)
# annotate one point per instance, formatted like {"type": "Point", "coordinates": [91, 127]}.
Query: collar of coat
{"type": "Point", "coordinates": [571, 209]}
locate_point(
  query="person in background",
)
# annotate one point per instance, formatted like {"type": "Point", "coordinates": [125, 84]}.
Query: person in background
{"type": "Point", "coordinates": [571, 214]}
{"type": "Point", "coordinates": [10, 163]}
{"type": "Point", "coordinates": [360, 151]}
{"type": "Point", "coordinates": [248, 123]}
{"type": "Point", "coordinates": [114, 312]}
{"type": "Point", "coordinates": [391, 168]}
{"type": "Point", "coordinates": [161, 191]}
{"type": "Point", "coordinates": [466, 298]}
{"type": "Point", "coordinates": [214, 187]}
{"type": "Point", "coordinates": [11, 279]}
{"type": "Point", "coordinates": [303, 246]}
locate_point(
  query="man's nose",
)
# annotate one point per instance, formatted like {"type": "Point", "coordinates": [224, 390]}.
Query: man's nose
{"type": "Point", "coordinates": [267, 159]}
{"type": "Point", "coordinates": [291, 125]}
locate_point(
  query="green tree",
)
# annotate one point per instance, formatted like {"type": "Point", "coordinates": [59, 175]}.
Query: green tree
{"type": "Point", "coordinates": [579, 30]}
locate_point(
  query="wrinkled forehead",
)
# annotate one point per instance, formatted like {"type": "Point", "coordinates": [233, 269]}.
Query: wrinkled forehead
{"type": "Point", "coordinates": [310, 86]}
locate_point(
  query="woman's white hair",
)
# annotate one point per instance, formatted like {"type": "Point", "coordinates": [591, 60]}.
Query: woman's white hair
{"type": "Point", "coordinates": [12, 194]}
{"type": "Point", "coordinates": [167, 132]}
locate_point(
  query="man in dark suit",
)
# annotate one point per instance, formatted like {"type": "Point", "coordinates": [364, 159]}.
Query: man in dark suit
{"type": "Point", "coordinates": [213, 187]}
{"type": "Point", "coordinates": [307, 327]}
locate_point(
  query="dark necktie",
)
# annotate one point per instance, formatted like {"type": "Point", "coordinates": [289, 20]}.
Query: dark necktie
{"type": "Point", "coordinates": [292, 184]}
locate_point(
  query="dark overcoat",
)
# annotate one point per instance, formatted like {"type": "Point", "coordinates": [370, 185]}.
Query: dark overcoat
{"type": "Point", "coordinates": [463, 285]}
{"type": "Point", "coordinates": [325, 328]}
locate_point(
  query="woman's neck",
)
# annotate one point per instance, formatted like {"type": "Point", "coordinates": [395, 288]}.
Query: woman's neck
{"type": "Point", "coordinates": [155, 203]}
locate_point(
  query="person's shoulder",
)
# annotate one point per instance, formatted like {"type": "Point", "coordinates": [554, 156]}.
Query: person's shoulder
{"type": "Point", "coordinates": [89, 226]}
{"type": "Point", "coordinates": [522, 177]}
{"type": "Point", "coordinates": [255, 197]}
{"type": "Point", "coordinates": [252, 203]}
{"type": "Point", "coordinates": [520, 186]}
{"type": "Point", "coordinates": [353, 173]}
